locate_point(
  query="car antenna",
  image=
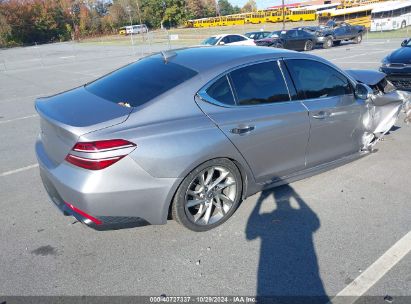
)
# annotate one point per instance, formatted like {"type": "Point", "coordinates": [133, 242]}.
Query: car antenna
{"type": "Point", "coordinates": [167, 55]}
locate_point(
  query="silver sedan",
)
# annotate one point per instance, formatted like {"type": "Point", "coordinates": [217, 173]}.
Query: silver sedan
{"type": "Point", "coordinates": [188, 134]}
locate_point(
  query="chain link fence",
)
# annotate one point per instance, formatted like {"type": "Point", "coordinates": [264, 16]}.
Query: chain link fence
{"type": "Point", "coordinates": [134, 46]}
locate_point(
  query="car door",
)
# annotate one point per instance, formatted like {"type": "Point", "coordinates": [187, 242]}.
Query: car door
{"type": "Point", "coordinates": [335, 113]}
{"type": "Point", "coordinates": [291, 40]}
{"type": "Point", "coordinates": [301, 39]}
{"type": "Point", "coordinates": [342, 32]}
{"type": "Point", "coordinates": [252, 106]}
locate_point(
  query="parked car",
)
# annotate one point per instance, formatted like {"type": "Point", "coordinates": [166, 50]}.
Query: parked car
{"type": "Point", "coordinates": [257, 35]}
{"type": "Point", "coordinates": [196, 130]}
{"type": "Point", "coordinates": [298, 40]}
{"type": "Point", "coordinates": [397, 66]}
{"type": "Point", "coordinates": [228, 39]}
{"type": "Point", "coordinates": [133, 29]}
{"type": "Point", "coordinates": [334, 32]}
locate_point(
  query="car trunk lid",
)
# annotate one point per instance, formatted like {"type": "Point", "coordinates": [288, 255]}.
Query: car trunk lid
{"type": "Point", "coordinates": [67, 116]}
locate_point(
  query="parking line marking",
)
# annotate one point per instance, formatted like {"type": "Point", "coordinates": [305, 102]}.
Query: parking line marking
{"type": "Point", "coordinates": [358, 55]}
{"type": "Point", "coordinates": [375, 272]}
{"type": "Point", "coordinates": [18, 170]}
{"type": "Point", "coordinates": [19, 118]}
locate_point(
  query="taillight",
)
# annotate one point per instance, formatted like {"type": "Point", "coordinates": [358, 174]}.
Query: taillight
{"type": "Point", "coordinates": [94, 148]}
{"type": "Point", "coordinates": [102, 145]}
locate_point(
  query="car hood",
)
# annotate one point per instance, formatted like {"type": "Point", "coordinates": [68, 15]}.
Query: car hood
{"type": "Point", "coordinates": [368, 77]}
{"type": "Point", "coordinates": [402, 55]}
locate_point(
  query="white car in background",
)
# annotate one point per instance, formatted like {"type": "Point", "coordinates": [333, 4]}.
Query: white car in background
{"type": "Point", "coordinates": [228, 39]}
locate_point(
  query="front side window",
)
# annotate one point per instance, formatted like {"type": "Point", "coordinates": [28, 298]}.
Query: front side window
{"type": "Point", "coordinates": [314, 79]}
{"type": "Point", "coordinates": [292, 34]}
{"type": "Point", "coordinates": [259, 84]}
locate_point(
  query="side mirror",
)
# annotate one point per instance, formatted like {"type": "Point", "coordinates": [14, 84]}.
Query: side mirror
{"type": "Point", "coordinates": [363, 91]}
{"type": "Point", "coordinates": [221, 43]}
{"type": "Point", "coordinates": [404, 43]}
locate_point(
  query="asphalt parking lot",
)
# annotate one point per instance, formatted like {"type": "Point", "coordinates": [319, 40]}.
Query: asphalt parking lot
{"type": "Point", "coordinates": [312, 237]}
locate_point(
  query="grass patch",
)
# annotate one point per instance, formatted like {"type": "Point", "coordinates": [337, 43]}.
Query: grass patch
{"type": "Point", "coordinates": [401, 33]}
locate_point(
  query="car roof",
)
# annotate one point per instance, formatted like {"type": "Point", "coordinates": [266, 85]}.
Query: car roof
{"type": "Point", "coordinates": [206, 58]}
{"type": "Point", "coordinates": [255, 32]}
{"type": "Point", "coordinates": [223, 35]}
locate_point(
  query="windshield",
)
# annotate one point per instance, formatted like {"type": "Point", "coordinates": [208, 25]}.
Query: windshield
{"type": "Point", "coordinates": [140, 82]}
{"type": "Point", "coordinates": [407, 44]}
{"type": "Point", "coordinates": [330, 23]}
{"type": "Point", "coordinates": [210, 41]}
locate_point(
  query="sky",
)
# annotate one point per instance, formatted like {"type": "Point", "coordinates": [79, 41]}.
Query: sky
{"type": "Point", "coordinates": [261, 4]}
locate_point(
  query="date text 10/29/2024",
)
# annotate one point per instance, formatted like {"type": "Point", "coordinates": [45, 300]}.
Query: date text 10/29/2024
{"type": "Point", "coordinates": [202, 299]}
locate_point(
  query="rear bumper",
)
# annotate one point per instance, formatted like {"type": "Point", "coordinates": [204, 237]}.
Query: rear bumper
{"type": "Point", "coordinates": [120, 195]}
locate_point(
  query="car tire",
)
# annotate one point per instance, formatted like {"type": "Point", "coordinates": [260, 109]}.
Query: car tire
{"type": "Point", "coordinates": [328, 43]}
{"type": "Point", "coordinates": [278, 45]}
{"type": "Point", "coordinates": [309, 45]}
{"type": "Point", "coordinates": [208, 196]}
{"type": "Point", "coordinates": [337, 43]}
{"type": "Point", "coordinates": [358, 39]}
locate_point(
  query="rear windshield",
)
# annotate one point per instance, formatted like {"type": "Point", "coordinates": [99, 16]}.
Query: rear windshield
{"type": "Point", "coordinates": [140, 82]}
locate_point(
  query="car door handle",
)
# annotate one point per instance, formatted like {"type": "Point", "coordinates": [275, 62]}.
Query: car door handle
{"type": "Point", "coordinates": [242, 130]}
{"type": "Point", "coordinates": [322, 115]}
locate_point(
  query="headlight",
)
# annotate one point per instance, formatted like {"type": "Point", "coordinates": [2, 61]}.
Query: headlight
{"type": "Point", "coordinates": [385, 62]}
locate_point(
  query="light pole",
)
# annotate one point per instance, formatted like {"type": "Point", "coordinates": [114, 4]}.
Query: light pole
{"type": "Point", "coordinates": [282, 7]}
{"type": "Point", "coordinates": [141, 26]}
{"type": "Point", "coordinates": [139, 13]}
{"type": "Point", "coordinates": [131, 25]}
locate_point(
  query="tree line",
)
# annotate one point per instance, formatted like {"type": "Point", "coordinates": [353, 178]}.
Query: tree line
{"type": "Point", "coordinates": [24, 22]}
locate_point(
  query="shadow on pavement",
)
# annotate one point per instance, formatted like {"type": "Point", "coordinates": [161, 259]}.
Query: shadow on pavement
{"type": "Point", "coordinates": [288, 266]}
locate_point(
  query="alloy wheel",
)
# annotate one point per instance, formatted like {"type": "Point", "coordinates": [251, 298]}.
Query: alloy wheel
{"type": "Point", "coordinates": [308, 45]}
{"type": "Point", "coordinates": [210, 195]}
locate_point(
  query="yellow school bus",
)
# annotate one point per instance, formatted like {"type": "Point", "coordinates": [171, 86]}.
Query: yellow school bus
{"type": "Point", "coordinates": [275, 16]}
{"type": "Point", "coordinates": [302, 15]}
{"type": "Point", "coordinates": [232, 20]}
{"type": "Point", "coordinates": [357, 15]}
{"type": "Point", "coordinates": [122, 31]}
{"type": "Point", "coordinates": [189, 23]}
{"type": "Point", "coordinates": [255, 18]}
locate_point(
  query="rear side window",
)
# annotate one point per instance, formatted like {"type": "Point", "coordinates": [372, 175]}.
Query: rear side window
{"type": "Point", "coordinates": [140, 82]}
{"type": "Point", "coordinates": [259, 84]}
{"type": "Point", "coordinates": [314, 79]}
{"type": "Point", "coordinates": [221, 91]}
